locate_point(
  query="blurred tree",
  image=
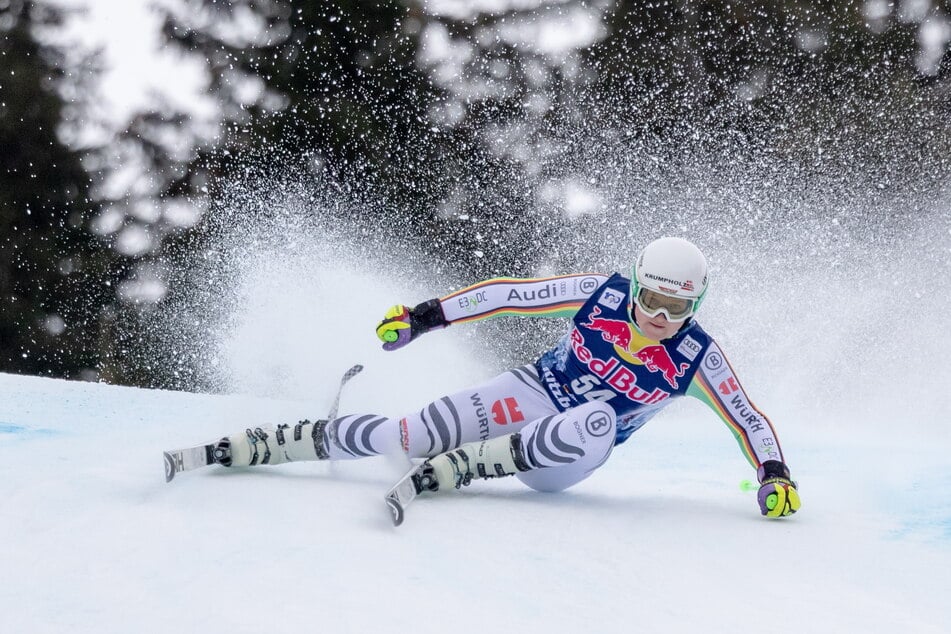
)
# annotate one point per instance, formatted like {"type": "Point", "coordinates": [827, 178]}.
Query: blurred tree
{"type": "Point", "coordinates": [488, 132]}
{"type": "Point", "coordinates": [455, 154]}
{"type": "Point", "coordinates": [52, 291]}
{"type": "Point", "coordinates": [323, 87]}
{"type": "Point", "coordinates": [772, 70]}
{"type": "Point", "coordinates": [512, 85]}
{"type": "Point", "coordinates": [329, 92]}
{"type": "Point", "coordinates": [485, 131]}
{"type": "Point", "coordinates": [453, 157]}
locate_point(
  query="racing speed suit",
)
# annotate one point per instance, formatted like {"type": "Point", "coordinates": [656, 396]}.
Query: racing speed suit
{"type": "Point", "coordinates": [602, 376]}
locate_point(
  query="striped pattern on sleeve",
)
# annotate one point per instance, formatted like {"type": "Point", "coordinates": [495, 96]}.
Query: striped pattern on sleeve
{"type": "Point", "coordinates": [716, 384]}
{"type": "Point", "coordinates": [559, 296]}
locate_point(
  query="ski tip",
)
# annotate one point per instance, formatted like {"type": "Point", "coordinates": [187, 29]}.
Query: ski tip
{"type": "Point", "coordinates": [396, 509]}
{"type": "Point", "coordinates": [169, 466]}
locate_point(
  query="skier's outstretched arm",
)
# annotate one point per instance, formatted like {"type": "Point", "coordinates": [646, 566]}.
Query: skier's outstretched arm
{"type": "Point", "coordinates": [716, 384]}
{"type": "Point", "coordinates": [559, 296]}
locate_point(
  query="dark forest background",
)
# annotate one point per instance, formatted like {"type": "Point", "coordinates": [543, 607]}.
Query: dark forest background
{"type": "Point", "coordinates": [458, 122]}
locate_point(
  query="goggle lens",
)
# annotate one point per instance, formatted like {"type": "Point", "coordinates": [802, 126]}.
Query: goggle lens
{"type": "Point", "coordinates": [652, 303]}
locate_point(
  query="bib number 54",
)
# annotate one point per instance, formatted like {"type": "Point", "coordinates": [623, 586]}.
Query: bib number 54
{"type": "Point", "coordinates": [585, 386]}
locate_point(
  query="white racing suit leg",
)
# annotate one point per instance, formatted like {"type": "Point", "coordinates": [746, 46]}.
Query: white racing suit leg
{"type": "Point", "coordinates": [567, 448]}
{"type": "Point", "coordinates": [503, 405]}
{"type": "Point", "coordinates": [500, 406]}
{"type": "Point", "coordinates": [549, 454]}
{"type": "Point", "coordinates": [559, 448]}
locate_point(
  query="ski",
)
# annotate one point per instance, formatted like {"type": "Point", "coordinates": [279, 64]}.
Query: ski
{"type": "Point", "coordinates": [399, 497]}
{"type": "Point", "coordinates": [416, 480]}
{"type": "Point", "coordinates": [179, 460]}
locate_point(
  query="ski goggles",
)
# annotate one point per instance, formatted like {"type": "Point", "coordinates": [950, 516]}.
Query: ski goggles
{"type": "Point", "coordinates": [653, 303]}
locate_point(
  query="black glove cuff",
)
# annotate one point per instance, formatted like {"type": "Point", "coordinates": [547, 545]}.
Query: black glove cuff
{"type": "Point", "coordinates": [427, 316]}
{"type": "Point", "coordinates": [773, 469]}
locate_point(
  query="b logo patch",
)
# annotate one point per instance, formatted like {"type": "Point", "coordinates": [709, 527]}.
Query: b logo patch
{"type": "Point", "coordinates": [598, 424]}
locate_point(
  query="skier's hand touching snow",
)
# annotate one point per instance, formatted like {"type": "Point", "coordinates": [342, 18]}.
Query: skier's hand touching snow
{"type": "Point", "coordinates": [777, 496]}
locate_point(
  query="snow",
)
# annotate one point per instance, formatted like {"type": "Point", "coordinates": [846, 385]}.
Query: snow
{"type": "Point", "coordinates": [133, 240]}
{"type": "Point", "coordinates": [933, 36]}
{"type": "Point", "coordinates": [467, 9]}
{"type": "Point", "coordinates": [913, 10]}
{"type": "Point", "coordinates": [560, 33]}
{"type": "Point", "coordinates": [661, 539]}
{"type": "Point", "coordinates": [877, 9]}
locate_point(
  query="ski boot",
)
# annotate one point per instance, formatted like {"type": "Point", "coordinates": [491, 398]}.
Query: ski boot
{"type": "Point", "coordinates": [494, 458]}
{"type": "Point", "coordinates": [270, 445]}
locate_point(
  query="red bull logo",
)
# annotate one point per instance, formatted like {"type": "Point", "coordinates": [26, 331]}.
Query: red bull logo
{"type": "Point", "coordinates": [614, 331]}
{"type": "Point", "coordinates": [657, 359]}
{"type": "Point", "coordinates": [654, 356]}
{"type": "Point", "coordinates": [619, 377]}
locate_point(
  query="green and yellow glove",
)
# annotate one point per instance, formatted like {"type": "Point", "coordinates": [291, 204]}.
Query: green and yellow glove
{"type": "Point", "coordinates": [401, 324]}
{"type": "Point", "coordinates": [777, 495]}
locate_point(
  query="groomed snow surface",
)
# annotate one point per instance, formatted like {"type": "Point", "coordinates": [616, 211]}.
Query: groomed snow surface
{"type": "Point", "coordinates": [661, 539]}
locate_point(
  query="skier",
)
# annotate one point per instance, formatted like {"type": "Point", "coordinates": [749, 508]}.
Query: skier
{"type": "Point", "coordinates": [633, 348]}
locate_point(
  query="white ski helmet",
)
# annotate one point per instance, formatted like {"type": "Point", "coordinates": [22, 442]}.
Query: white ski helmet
{"type": "Point", "coordinates": [669, 276]}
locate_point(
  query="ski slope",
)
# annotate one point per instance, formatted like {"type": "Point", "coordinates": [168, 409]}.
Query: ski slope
{"type": "Point", "coordinates": [661, 539]}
